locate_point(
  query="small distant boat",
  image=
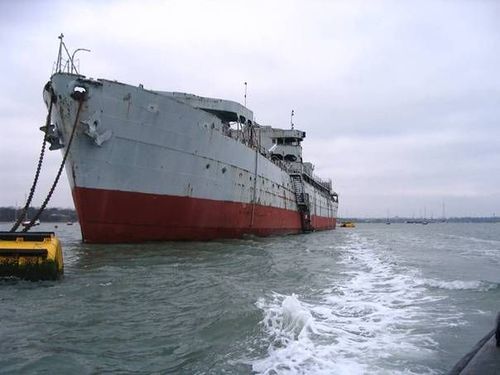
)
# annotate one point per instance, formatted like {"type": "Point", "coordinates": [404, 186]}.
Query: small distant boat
{"type": "Point", "coordinates": [347, 224]}
{"type": "Point", "coordinates": [69, 223]}
{"type": "Point", "coordinates": [26, 223]}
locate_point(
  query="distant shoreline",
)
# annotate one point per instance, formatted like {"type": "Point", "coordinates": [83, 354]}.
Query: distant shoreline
{"type": "Point", "coordinates": [61, 215]}
{"type": "Point", "coordinates": [49, 215]}
{"type": "Point", "coordinates": [407, 220]}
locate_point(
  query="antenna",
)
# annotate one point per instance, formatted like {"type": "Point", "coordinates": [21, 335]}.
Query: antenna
{"type": "Point", "coordinates": [291, 119]}
{"type": "Point", "coordinates": [245, 94]}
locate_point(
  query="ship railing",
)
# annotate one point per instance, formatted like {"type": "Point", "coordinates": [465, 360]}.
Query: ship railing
{"type": "Point", "coordinates": [66, 61]}
{"type": "Point", "coordinates": [250, 141]}
{"type": "Point", "coordinates": [325, 183]}
{"type": "Point", "coordinates": [298, 169]}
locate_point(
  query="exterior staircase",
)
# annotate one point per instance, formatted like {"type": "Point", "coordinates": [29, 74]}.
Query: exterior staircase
{"type": "Point", "coordinates": [302, 199]}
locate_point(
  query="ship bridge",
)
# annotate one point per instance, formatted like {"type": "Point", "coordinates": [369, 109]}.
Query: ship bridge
{"type": "Point", "coordinates": [283, 144]}
{"type": "Point", "coordinates": [226, 110]}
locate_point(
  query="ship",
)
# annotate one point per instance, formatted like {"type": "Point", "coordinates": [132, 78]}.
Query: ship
{"type": "Point", "coordinates": [147, 165]}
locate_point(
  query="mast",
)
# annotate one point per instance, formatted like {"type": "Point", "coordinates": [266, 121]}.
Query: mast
{"type": "Point", "coordinates": [245, 94]}
{"type": "Point", "coordinates": [59, 54]}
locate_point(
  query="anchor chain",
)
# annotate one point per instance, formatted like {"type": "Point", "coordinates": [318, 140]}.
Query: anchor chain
{"type": "Point", "coordinates": [80, 97]}
{"type": "Point", "coordinates": [39, 166]}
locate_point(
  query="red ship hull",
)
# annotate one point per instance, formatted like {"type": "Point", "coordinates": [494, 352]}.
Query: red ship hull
{"type": "Point", "coordinates": [108, 216]}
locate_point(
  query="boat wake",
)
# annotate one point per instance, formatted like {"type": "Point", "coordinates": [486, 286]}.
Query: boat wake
{"type": "Point", "coordinates": [375, 317]}
{"type": "Point", "coordinates": [481, 286]}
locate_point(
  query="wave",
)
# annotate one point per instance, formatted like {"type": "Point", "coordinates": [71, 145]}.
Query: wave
{"type": "Point", "coordinates": [458, 284]}
{"type": "Point", "coordinates": [291, 329]}
{"type": "Point", "coordinates": [373, 318]}
{"type": "Point", "coordinates": [288, 320]}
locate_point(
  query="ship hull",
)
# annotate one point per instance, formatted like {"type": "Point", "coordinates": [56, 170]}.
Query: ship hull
{"type": "Point", "coordinates": [146, 167]}
{"type": "Point", "coordinates": [108, 216]}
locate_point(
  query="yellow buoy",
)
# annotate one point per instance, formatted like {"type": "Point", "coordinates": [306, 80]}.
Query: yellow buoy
{"type": "Point", "coordinates": [31, 256]}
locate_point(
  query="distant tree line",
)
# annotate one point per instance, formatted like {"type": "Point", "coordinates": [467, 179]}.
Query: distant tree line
{"type": "Point", "coordinates": [10, 214]}
{"type": "Point", "coordinates": [465, 219]}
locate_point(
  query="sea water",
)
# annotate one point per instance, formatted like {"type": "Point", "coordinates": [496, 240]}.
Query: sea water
{"type": "Point", "coordinates": [377, 299]}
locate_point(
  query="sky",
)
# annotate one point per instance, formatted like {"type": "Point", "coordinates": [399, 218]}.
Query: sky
{"type": "Point", "coordinates": [400, 100]}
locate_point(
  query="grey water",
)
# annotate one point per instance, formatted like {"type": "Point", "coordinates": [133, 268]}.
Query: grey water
{"type": "Point", "coordinates": [377, 299]}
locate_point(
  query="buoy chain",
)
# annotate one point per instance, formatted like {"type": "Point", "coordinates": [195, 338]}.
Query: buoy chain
{"type": "Point", "coordinates": [39, 166]}
{"type": "Point", "coordinates": [80, 100]}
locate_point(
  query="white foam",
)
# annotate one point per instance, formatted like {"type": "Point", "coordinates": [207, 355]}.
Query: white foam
{"type": "Point", "coordinates": [458, 284]}
{"type": "Point", "coordinates": [371, 311]}
{"type": "Point", "coordinates": [291, 326]}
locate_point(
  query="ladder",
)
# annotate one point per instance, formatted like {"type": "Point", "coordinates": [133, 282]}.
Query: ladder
{"type": "Point", "coordinates": [302, 199]}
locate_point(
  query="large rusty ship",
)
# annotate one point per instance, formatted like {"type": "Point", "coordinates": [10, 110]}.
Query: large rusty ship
{"type": "Point", "coordinates": [148, 165]}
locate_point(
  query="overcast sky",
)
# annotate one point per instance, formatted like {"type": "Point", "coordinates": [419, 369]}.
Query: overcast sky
{"type": "Point", "coordinates": [400, 99]}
